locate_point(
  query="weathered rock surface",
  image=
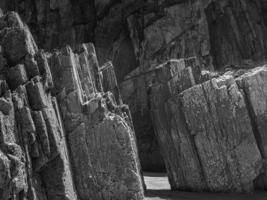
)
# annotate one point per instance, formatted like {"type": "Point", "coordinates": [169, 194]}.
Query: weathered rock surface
{"type": "Point", "coordinates": [211, 133]}
{"type": "Point", "coordinates": [218, 119]}
{"type": "Point", "coordinates": [102, 143]}
{"type": "Point", "coordinates": [189, 112]}
{"type": "Point", "coordinates": [254, 86]}
{"type": "Point", "coordinates": [139, 34]}
{"type": "Point", "coordinates": [171, 130]}
{"type": "Point", "coordinates": [62, 137]}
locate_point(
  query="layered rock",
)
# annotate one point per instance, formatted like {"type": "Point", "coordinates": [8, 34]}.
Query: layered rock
{"type": "Point", "coordinates": [254, 87]}
{"type": "Point", "coordinates": [144, 33]}
{"type": "Point", "coordinates": [136, 35]}
{"type": "Point", "coordinates": [102, 143]}
{"type": "Point", "coordinates": [217, 117]}
{"type": "Point", "coordinates": [210, 133]}
{"type": "Point", "coordinates": [62, 136]}
{"type": "Point", "coordinates": [170, 130]}
{"type": "Point", "coordinates": [33, 146]}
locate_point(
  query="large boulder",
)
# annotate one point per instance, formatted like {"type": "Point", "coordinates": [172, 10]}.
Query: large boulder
{"type": "Point", "coordinates": [210, 133]}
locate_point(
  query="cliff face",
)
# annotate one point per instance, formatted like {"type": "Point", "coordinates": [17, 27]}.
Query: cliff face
{"type": "Point", "coordinates": [139, 35]}
{"type": "Point", "coordinates": [64, 135]}
{"type": "Point", "coordinates": [211, 131]}
{"type": "Point", "coordinates": [218, 32]}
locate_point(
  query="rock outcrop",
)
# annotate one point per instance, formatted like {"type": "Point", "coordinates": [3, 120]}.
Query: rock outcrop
{"type": "Point", "coordinates": [185, 109]}
{"type": "Point", "coordinates": [63, 134]}
{"type": "Point", "coordinates": [210, 131]}
{"type": "Point", "coordinates": [101, 140]}
{"type": "Point", "coordinates": [139, 34]}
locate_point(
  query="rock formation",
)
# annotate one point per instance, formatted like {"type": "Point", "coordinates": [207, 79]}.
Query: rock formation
{"type": "Point", "coordinates": [139, 34]}
{"type": "Point", "coordinates": [64, 134]}
{"type": "Point", "coordinates": [180, 103]}
{"type": "Point", "coordinates": [210, 131]}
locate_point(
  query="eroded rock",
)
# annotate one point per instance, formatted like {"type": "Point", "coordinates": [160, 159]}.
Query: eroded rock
{"type": "Point", "coordinates": [209, 133]}
{"type": "Point", "coordinates": [78, 149]}
{"type": "Point", "coordinates": [96, 136]}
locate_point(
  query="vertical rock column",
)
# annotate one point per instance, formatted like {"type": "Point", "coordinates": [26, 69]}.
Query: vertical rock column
{"type": "Point", "coordinates": [110, 83]}
{"type": "Point", "coordinates": [218, 119]}
{"type": "Point", "coordinates": [32, 137]}
{"type": "Point", "coordinates": [254, 85]}
{"type": "Point", "coordinates": [101, 143]}
{"type": "Point", "coordinates": [206, 132]}
{"type": "Point", "coordinates": [170, 78]}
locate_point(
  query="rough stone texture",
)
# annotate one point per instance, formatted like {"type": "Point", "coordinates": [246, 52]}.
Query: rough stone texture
{"type": "Point", "coordinates": [170, 131]}
{"type": "Point", "coordinates": [102, 143]}
{"type": "Point", "coordinates": [139, 34]}
{"type": "Point", "coordinates": [83, 148]}
{"type": "Point", "coordinates": [110, 83]}
{"type": "Point", "coordinates": [254, 85]}
{"type": "Point", "coordinates": [212, 134]}
{"type": "Point", "coordinates": [188, 174]}
{"type": "Point", "coordinates": [218, 119]}
{"type": "Point", "coordinates": [35, 163]}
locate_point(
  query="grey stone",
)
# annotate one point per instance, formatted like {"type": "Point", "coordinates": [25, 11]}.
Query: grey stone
{"type": "Point", "coordinates": [18, 42]}
{"type": "Point", "coordinates": [16, 76]}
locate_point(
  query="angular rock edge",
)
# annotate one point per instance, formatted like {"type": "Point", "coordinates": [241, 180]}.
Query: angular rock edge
{"type": "Point", "coordinates": [63, 135]}
{"type": "Point", "coordinates": [211, 130]}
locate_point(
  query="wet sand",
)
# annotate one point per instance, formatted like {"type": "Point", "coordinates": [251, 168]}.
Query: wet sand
{"type": "Point", "coordinates": [158, 188]}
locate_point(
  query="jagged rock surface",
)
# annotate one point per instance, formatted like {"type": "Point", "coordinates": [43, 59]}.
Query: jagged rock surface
{"type": "Point", "coordinates": [102, 143]}
{"type": "Point", "coordinates": [144, 33]}
{"type": "Point", "coordinates": [211, 133]}
{"type": "Point", "coordinates": [82, 148]}
{"type": "Point", "coordinates": [136, 35]}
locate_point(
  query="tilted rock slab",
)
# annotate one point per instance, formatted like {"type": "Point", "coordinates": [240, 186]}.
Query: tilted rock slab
{"type": "Point", "coordinates": [102, 143]}
{"type": "Point", "coordinates": [170, 129]}
{"type": "Point", "coordinates": [218, 119]}
{"type": "Point", "coordinates": [82, 148]}
{"type": "Point", "coordinates": [254, 85]}
{"type": "Point", "coordinates": [208, 135]}
{"type": "Point", "coordinates": [33, 148]}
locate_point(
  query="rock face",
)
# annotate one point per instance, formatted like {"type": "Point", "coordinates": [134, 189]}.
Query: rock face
{"type": "Point", "coordinates": [254, 87]}
{"type": "Point", "coordinates": [65, 133]}
{"type": "Point", "coordinates": [210, 133]}
{"type": "Point", "coordinates": [135, 90]}
{"type": "Point", "coordinates": [139, 34]}
{"type": "Point", "coordinates": [125, 30]}
{"type": "Point", "coordinates": [101, 139]}
{"type": "Point", "coordinates": [62, 137]}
